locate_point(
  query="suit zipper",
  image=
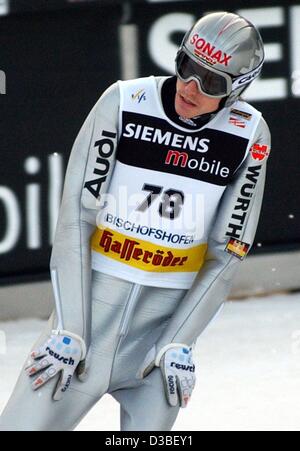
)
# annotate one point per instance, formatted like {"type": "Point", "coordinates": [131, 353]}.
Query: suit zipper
{"type": "Point", "coordinates": [130, 306]}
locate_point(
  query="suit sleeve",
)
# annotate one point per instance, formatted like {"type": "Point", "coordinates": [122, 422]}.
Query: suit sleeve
{"type": "Point", "coordinates": [88, 175]}
{"type": "Point", "coordinates": [237, 220]}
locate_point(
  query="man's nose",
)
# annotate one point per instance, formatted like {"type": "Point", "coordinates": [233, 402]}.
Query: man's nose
{"type": "Point", "coordinates": [191, 87]}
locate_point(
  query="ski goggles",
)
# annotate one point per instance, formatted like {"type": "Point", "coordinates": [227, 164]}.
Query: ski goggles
{"type": "Point", "coordinates": [211, 82]}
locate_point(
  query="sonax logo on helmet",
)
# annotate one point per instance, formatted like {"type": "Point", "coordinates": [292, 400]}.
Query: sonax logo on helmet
{"type": "Point", "coordinates": [209, 51]}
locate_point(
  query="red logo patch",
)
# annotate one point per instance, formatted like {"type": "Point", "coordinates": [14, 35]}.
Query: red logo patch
{"type": "Point", "coordinates": [237, 122]}
{"type": "Point", "coordinates": [259, 151]}
{"type": "Point", "coordinates": [237, 248]}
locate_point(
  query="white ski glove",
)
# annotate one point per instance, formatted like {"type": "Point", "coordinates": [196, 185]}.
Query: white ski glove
{"type": "Point", "coordinates": [178, 371]}
{"type": "Point", "coordinates": [62, 353]}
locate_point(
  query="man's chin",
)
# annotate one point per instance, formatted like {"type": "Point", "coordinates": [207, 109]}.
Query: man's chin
{"type": "Point", "coordinates": [185, 115]}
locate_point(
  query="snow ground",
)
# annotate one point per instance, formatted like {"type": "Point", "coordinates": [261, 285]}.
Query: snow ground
{"type": "Point", "coordinates": [248, 369]}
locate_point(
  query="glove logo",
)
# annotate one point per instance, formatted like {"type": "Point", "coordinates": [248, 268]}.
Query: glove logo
{"type": "Point", "coordinates": [68, 361]}
{"type": "Point", "coordinates": [171, 385]}
{"type": "Point", "coordinates": [178, 366]}
{"type": "Point", "coordinates": [68, 383]}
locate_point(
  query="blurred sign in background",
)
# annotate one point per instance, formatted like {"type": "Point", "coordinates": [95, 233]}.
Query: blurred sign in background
{"type": "Point", "coordinates": [56, 59]}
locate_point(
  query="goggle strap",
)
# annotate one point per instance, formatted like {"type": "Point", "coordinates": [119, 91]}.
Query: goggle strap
{"type": "Point", "coordinates": [246, 78]}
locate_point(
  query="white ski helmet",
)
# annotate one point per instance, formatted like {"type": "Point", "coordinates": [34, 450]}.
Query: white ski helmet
{"type": "Point", "coordinates": [223, 53]}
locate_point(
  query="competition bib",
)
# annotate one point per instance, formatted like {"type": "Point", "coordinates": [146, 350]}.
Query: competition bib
{"type": "Point", "coordinates": [154, 222]}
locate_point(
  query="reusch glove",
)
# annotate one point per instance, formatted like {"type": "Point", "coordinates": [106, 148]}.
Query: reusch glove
{"type": "Point", "coordinates": [178, 372]}
{"type": "Point", "coordinates": [62, 353]}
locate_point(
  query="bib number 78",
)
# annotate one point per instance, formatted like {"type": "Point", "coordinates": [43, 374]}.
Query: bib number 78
{"type": "Point", "coordinates": [171, 204]}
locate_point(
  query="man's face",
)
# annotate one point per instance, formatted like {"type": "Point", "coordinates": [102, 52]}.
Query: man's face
{"type": "Point", "coordinates": [190, 102]}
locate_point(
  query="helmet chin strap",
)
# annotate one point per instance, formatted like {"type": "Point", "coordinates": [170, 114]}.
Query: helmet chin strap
{"type": "Point", "coordinates": [228, 101]}
{"type": "Point", "coordinates": [205, 115]}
